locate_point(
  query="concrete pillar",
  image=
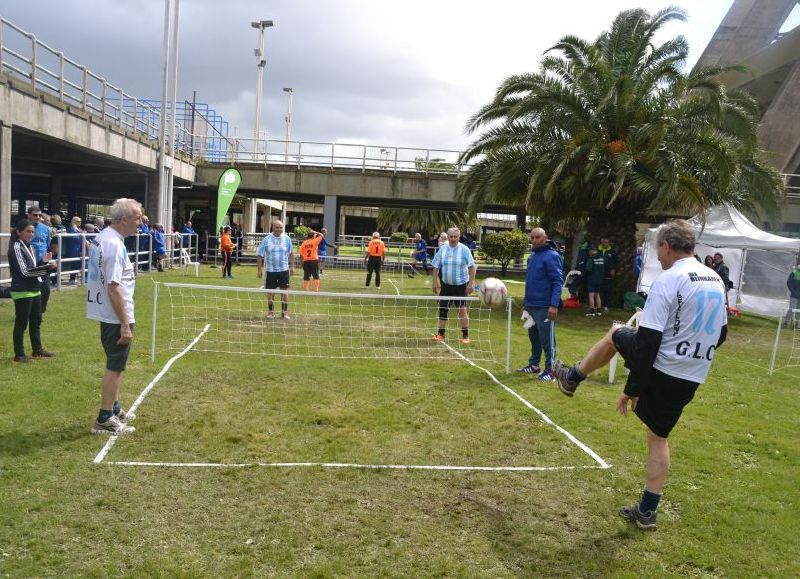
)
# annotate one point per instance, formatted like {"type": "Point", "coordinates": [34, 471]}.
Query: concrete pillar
{"type": "Point", "coordinates": [330, 216]}
{"type": "Point", "coordinates": [249, 215]}
{"type": "Point", "coordinates": [342, 220]}
{"type": "Point", "coordinates": [522, 221]}
{"type": "Point", "coordinates": [54, 199]}
{"type": "Point", "coordinates": [283, 214]}
{"type": "Point", "coordinates": [777, 133]}
{"type": "Point", "coordinates": [5, 183]}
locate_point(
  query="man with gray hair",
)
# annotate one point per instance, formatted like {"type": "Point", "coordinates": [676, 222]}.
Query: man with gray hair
{"type": "Point", "coordinates": [682, 325]}
{"type": "Point", "coordinates": [109, 300]}
{"type": "Point", "coordinates": [455, 262]}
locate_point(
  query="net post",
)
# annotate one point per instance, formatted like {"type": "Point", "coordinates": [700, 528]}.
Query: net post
{"type": "Point", "coordinates": [775, 347]}
{"type": "Point", "coordinates": [508, 335]}
{"type": "Point", "coordinates": [155, 317]}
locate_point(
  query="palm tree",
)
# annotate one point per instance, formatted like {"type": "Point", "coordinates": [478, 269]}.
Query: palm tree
{"type": "Point", "coordinates": [426, 221]}
{"type": "Point", "coordinates": [615, 132]}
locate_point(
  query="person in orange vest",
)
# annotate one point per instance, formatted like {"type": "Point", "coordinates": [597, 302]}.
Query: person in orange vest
{"type": "Point", "coordinates": [226, 246]}
{"type": "Point", "coordinates": [309, 253]}
{"type": "Point", "coordinates": [376, 252]}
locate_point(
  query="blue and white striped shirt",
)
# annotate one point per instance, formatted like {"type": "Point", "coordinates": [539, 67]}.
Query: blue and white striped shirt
{"type": "Point", "coordinates": [454, 263]}
{"type": "Point", "coordinates": [276, 252]}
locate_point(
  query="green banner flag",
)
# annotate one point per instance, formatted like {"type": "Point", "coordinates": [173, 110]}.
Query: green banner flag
{"type": "Point", "coordinates": [226, 189]}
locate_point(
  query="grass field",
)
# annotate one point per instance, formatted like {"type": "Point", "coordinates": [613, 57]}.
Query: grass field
{"type": "Point", "coordinates": [730, 507]}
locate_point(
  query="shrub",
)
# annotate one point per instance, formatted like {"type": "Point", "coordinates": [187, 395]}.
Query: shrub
{"type": "Point", "coordinates": [504, 246]}
{"type": "Point", "coordinates": [399, 237]}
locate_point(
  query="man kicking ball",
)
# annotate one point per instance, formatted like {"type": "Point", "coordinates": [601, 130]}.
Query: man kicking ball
{"type": "Point", "coordinates": [683, 323]}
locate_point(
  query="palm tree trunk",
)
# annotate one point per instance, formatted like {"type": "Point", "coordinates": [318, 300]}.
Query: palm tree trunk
{"type": "Point", "coordinates": [618, 224]}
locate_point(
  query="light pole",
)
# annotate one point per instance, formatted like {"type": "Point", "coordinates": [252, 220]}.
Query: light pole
{"type": "Point", "coordinates": [260, 63]}
{"type": "Point", "coordinates": [290, 93]}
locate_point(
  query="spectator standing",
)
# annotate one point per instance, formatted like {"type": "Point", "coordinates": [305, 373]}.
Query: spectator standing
{"type": "Point", "coordinates": [109, 301]}
{"type": "Point", "coordinates": [72, 247]}
{"type": "Point", "coordinates": [708, 261]}
{"type": "Point", "coordinates": [457, 267]}
{"type": "Point", "coordinates": [724, 273]}
{"type": "Point", "coordinates": [637, 265]}
{"type": "Point", "coordinates": [186, 234]}
{"type": "Point", "coordinates": [667, 359]}
{"type": "Point", "coordinates": [793, 284]}
{"type": "Point", "coordinates": [610, 256]}
{"type": "Point", "coordinates": [41, 244]}
{"type": "Point", "coordinates": [159, 252]}
{"type": "Point", "coordinates": [543, 282]}
{"type": "Point", "coordinates": [99, 223]}
{"type": "Point", "coordinates": [276, 254]}
{"type": "Point", "coordinates": [226, 246]}
{"type": "Point", "coordinates": [374, 256]}
{"type": "Point", "coordinates": [595, 274]}
{"type": "Point", "coordinates": [26, 289]}
{"type": "Point", "coordinates": [322, 250]}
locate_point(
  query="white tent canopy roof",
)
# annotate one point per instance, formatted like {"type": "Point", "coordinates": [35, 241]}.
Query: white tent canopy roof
{"type": "Point", "coordinates": [727, 227]}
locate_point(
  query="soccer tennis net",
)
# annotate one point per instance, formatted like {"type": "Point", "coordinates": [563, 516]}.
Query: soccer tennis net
{"type": "Point", "coordinates": [323, 324]}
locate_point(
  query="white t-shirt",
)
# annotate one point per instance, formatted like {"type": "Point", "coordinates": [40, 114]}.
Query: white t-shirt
{"type": "Point", "coordinates": [108, 262]}
{"type": "Point", "coordinates": [686, 303]}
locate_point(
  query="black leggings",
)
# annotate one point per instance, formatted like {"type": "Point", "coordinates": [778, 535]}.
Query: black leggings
{"type": "Point", "coordinates": [226, 263]}
{"type": "Point", "coordinates": [374, 264]}
{"type": "Point", "coordinates": [28, 314]}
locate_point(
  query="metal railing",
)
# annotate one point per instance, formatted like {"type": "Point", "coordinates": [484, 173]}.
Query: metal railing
{"type": "Point", "coordinates": [792, 183]}
{"type": "Point", "coordinates": [73, 268]}
{"type": "Point", "coordinates": [24, 56]}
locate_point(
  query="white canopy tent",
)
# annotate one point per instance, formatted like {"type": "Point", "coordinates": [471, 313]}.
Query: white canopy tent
{"type": "Point", "coordinates": [759, 262]}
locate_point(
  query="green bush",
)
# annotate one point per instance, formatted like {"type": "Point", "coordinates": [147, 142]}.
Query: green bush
{"type": "Point", "coordinates": [504, 247]}
{"type": "Point", "coordinates": [301, 231]}
{"type": "Point", "coordinates": [399, 237]}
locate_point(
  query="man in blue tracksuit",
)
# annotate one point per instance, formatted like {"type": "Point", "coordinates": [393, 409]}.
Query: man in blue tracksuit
{"type": "Point", "coordinates": [543, 283]}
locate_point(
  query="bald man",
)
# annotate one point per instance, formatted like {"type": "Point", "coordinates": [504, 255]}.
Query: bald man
{"type": "Point", "coordinates": [543, 283]}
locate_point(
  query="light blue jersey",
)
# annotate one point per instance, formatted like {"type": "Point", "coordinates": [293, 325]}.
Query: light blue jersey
{"type": "Point", "coordinates": [454, 263]}
{"type": "Point", "coordinates": [276, 252]}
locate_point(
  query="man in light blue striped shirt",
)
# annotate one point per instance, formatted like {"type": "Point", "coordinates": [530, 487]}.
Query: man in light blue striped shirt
{"type": "Point", "coordinates": [457, 265]}
{"type": "Point", "coordinates": [276, 251]}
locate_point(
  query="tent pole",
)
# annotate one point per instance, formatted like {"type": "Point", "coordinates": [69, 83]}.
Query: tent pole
{"type": "Point", "coordinates": [741, 277]}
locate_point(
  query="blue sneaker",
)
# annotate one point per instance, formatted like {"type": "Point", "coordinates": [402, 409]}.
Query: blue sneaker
{"type": "Point", "coordinates": [530, 369]}
{"type": "Point", "coordinates": [546, 376]}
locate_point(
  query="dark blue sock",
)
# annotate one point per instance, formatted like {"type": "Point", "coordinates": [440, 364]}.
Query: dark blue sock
{"type": "Point", "coordinates": [104, 415]}
{"type": "Point", "coordinates": [116, 409]}
{"type": "Point", "coordinates": [574, 376]}
{"type": "Point", "coordinates": [649, 501]}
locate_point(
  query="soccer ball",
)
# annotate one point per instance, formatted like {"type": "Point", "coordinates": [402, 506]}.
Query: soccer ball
{"type": "Point", "coordinates": [492, 292]}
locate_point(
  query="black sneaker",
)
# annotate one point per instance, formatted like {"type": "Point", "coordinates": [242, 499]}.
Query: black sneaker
{"type": "Point", "coordinates": [43, 354]}
{"type": "Point", "coordinates": [645, 521]}
{"type": "Point", "coordinates": [530, 369]}
{"type": "Point", "coordinates": [21, 359]}
{"type": "Point", "coordinates": [560, 373]}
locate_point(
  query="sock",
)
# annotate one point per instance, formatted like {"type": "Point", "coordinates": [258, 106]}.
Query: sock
{"type": "Point", "coordinates": [441, 331]}
{"type": "Point", "coordinates": [116, 409]}
{"type": "Point", "coordinates": [284, 307]}
{"type": "Point", "coordinates": [270, 306]}
{"type": "Point", "coordinates": [465, 332]}
{"type": "Point", "coordinates": [574, 375]}
{"type": "Point", "coordinates": [316, 285]}
{"type": "Point", "coordinates": [104, 415]}
{"type": "Point", "coordinates": [649, 501]}
{"type": "Point", "coordinates": [305, 285]}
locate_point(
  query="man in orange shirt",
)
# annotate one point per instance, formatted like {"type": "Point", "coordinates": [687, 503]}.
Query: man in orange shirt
{"type": "Point", "coordinates": [376, 251]}
{"type": "Point", "coordinates": [309, 253]}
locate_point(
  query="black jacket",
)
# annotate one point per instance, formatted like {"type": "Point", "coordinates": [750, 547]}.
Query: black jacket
{"type": "Point", "coordinates": [25, 271]}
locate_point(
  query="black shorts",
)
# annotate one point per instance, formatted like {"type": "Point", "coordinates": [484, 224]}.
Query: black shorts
{"type": "Point", "coordinates": [310, 269]}
{"type": "Point", "coordinates": [277, 279]}
{"type": "Point", "coordinates": [116, 354]}
{"type": "Point", "coordinates": [662, 397]}
{"type": "Point", "coordinates": [455, 291]}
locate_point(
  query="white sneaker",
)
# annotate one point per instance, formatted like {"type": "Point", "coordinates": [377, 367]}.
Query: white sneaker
{"type": "Point", "coordinates": [112, 426]}
{"type": "Point", "coordinates": [126, 416]}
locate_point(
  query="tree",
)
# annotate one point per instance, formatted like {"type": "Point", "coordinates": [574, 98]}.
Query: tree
{"type": "Point", "coordinates": [615, 132]}
{"type": "Point", "coordinates": [425, 221]}
{"type": "Point", "coordinates": [505, 246]}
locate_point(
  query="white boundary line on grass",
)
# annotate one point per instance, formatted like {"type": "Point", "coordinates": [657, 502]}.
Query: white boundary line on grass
{"type": "Point", "coordinates": [345, 465]}
{"type": "Point", "coordinates": [112, 439]}
{"type": "Point", "coordinates": [601, 464]}
{"type": "Point", "coordinates": [395, 287]}
{"type": "Point", "coordinates": [542, 415]}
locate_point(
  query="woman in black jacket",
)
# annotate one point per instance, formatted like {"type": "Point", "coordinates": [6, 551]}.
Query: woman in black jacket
{"type": "Point", "coordinates": [25, 290]}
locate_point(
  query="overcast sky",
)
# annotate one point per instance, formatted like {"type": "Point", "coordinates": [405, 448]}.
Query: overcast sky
{"type": "Point", "coordinates": [377, 72]}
